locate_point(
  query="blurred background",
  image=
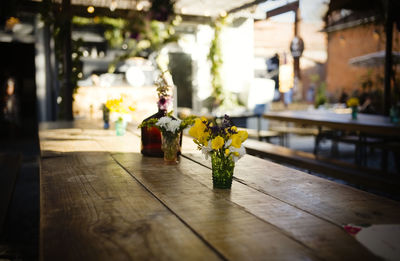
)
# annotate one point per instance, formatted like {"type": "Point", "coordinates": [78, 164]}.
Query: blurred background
{"type": "Point", "coordinates": [68, 57]}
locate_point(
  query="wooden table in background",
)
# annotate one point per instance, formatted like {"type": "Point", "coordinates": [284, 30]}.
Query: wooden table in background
{"type": "Point", "coordinates": [365, 123]}
{"type": "Point", "coordinates": [102, 200]}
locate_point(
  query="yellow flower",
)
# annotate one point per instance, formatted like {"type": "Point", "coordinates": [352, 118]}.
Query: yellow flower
{"type": "Point", "coordinates": [204, 138]}
{"type": "Point", "coordinates": [243, 135]}
{"type": "Point", "coordinates": [236, 141]}
{"type": "Point", "coordinates": [352, 102]}
{"type": "Point", "coordinates": [227, 151]}
{"type": "Point", "coordinates": [217, 143]}
{"type": "Point", "coordinates": [119, 105]}
{"type": "Point", "coordinates": [197, 130]}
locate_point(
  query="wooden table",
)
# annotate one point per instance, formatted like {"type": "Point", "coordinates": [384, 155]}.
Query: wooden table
{"type": "Point", "coordinates": [365, 123]}
{"type": "Point", "coordinates": [102, 200]}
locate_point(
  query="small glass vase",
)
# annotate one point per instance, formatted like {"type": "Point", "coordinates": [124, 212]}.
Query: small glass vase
{"type": "Point", "coordinates": [170, 146]}
{"type": "Point", "coordinates": [222, 171]}
{"type": "Point", "coordinates": [120, 127]}
{"type": "Point", "coordinates": [354, 111]}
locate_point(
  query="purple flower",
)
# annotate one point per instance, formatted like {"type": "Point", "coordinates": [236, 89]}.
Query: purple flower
{"type": "Point", "coordinates": [163, 103]}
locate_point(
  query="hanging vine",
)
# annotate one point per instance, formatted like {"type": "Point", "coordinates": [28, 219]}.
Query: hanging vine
{"type": "Point", "coordinates": [215, 57]}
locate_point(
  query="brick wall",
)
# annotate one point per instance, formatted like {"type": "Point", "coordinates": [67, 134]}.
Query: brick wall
{"type": "Point", "coordinates": [351, 42]}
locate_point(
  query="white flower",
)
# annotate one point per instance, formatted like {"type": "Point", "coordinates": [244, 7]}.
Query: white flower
{"type": "Point", "coordinates": [173, 126]}
{"type": "Point", "coordinates": [237, 153]}
{"type": "Point", "coordinates": [168, 124]}
{"type": "Point", "coordinates": [163, 121]}
{"type": "Point", "coordinates": [206, 150]}
{"type": "Point", "coordinates": [228, 143]}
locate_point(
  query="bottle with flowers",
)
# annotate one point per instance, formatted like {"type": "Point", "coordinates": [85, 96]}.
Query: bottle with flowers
{"type": "Point", "coordinates": [353, 103]}
{"type": "Point", "coordinates": [150, 134]}
{"type": "Point", "coordinates": [120, 110]}
{"type": "Point", "coordinates": [171, 129]}
{"type": "Point", "coordinates": [224, 143]}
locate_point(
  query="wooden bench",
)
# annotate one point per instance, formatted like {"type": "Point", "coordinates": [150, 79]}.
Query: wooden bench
{"type": "Point", "coordinates": [257, 133]}
{"type": "Point", "coordinates": [262, 134]}
{"type": "Point", "coordinates": [356, 175]}
{"type": "Point", "coordinates": [10, 166]}
{"type": "Point", "coordinates": [295, 130]}
{"type": "Point", "coordinates": [284, 132]}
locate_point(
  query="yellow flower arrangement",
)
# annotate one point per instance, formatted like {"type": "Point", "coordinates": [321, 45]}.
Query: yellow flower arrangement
{"type": "Point", "coordinates": [224, 141]}
{"type": "Point", "coordinates": [120, 108]}
{"type": "Point", "coordinates": [353, 102]}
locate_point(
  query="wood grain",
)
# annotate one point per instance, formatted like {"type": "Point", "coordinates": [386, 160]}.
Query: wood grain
{"type": "Point", "coordinates": [91, 209]}
{"type": "Point", "coordinates": [10, 165]}
{"type": "Point", "coordinates": [337, 203]}
{"type": "Point", "coordinates": [102, 200]}
{"type": "Point", "coordinates": [329, 241]}
{"type": "Point", "coordinates": [366, 123]}
{"type": "Point", "coordinates": [235, 233]}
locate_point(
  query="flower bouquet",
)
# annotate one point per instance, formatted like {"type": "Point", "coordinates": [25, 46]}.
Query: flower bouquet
{"type": "Point", "coordinates": [171, 129]}
{"type": "Point", "coordinates": [120, 113]}
{"type": "Point", "coordinates": [353, 103]}
{"type": "Point", "coordinates": [224, 143]}
{"type": "Point", "coordinates": [150, 135]}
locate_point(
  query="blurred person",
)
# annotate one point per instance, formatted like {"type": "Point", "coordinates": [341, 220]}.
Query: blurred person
{"type": "Point", "coordinates": [311, 94]}
{"type": "Point", "coordinates": [343, 97]}
{"type": "Point", "coordinates": [11, 108]}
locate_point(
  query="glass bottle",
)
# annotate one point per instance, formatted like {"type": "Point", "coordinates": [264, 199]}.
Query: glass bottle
{"type": "Point", "coordinates": [151, 137]}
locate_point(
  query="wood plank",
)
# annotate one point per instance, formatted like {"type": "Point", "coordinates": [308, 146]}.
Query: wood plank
{"type": "Point", "coordinates": [328, 240]}
{"type": "Point", "coordinates": [235, 233]}
{"type": "Point", "coordinates": [91, 209]}
{"type": "Point", "coordinates": [366, 123]}
{"type": "Point", "coordinates": [334, 202]}
{"type": "Point", "coordinates": [10, 167]}
{"type": "Point", "coordinates": [367, 178]}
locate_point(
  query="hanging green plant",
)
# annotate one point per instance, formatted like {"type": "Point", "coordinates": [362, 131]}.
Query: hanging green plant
{"type": "Point", "coordinates": [215, 57]}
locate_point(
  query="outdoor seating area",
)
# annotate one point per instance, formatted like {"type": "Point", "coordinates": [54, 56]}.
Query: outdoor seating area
{"type": "Point", "coordinates": [199, 130]}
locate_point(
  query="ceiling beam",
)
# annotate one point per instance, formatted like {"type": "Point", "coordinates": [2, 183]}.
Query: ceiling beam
{"type": "Point", "coordinates": [283, 9]}
{"type": "Point", "coordinates": [81, 10]}
{"type": "Point", "coordinates": [236, 9]}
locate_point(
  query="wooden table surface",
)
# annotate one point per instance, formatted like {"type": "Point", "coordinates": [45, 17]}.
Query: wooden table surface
{"type": "Point", "coordinates": [102, 200]}
{"type": "Point", "coordinates": [366, 123]}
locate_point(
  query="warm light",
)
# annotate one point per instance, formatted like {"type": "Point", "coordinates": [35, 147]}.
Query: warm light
{"type": "Point", "coordinates": [11, 22]}
{"type": "Point", "coordinates": [113, 5]}
{"type": "Point", "coordinates": [90, 9]}
{"type": "Point", "coordinates": [139, 6]}
{"type": "Point", "coordinates": [177, 20]}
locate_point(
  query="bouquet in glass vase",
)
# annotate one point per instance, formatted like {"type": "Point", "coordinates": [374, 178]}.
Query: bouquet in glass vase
{"type": "Point", "coordinates": [120, 110]}
{"type": "Point", "coordinates": [170, 129]}
{"type": "Point", "coordinates": [353, 103]}
{"type": "Point", "coordinates": [224, 143]}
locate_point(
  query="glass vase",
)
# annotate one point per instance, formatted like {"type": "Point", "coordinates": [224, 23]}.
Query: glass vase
{"type": "Point", "coordinates": [120, 127]}
{"type": "Point", "coordinates": [170, 146]}
{"type": "Point", "coordinates": [354, 111]}
{"type": "Point", "coordinates": [222, 171]}
{"type": "Point", "coordinates": [151, 138]}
